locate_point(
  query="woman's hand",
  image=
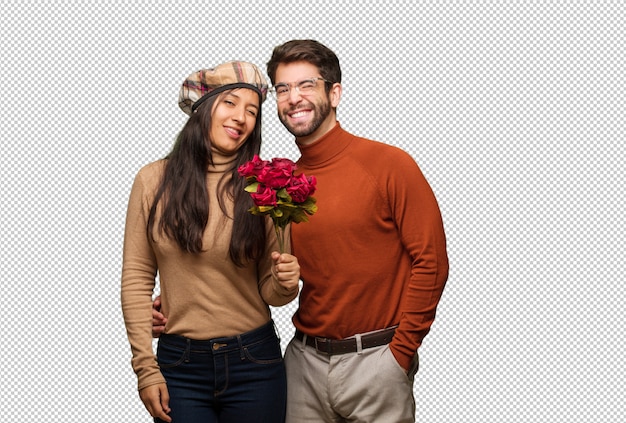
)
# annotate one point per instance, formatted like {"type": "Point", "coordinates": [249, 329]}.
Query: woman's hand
{"type": "Point", "coordinates": [286, 272]}
{"type": "Point", "coordinates": [156, 399]}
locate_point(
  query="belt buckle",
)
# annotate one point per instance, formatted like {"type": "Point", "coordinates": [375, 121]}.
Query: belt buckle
{"type": "Point", "coordinates": [323, 341]}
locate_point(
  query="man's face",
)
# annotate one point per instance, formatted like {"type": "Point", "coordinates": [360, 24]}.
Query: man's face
{"type": "Point", "coordinates": [308, 115]}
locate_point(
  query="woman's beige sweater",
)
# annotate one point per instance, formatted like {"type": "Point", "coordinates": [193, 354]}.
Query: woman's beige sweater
{"type": "Point", "coordinates": [203, 295]}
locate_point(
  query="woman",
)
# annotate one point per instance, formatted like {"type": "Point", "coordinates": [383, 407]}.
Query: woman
{"type": "Point", "coordinates": [219, 358]}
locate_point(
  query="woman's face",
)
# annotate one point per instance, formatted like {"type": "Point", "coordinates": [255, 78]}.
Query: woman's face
{"type": "Point", "coordinates": [233, 119]}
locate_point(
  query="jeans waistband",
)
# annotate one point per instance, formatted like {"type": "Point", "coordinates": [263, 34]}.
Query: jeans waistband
{"type": "Point", "coordinates": [225, 344]}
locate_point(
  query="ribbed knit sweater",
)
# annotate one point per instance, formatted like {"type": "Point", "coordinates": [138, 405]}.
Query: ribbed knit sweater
{"type": "Point", "coordinates": [374, 254]}
{"type": "Point", "coordinates": [203, 295]}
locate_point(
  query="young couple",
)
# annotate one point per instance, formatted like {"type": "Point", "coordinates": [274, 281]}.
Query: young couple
{"type": "Point", "coordinates": [372, 260]}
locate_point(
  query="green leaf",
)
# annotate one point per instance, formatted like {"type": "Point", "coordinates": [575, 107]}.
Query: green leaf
{"type": "Point", "coordinates": [282, 195]}
{"type": "Point", "coordinates": [252, 187]}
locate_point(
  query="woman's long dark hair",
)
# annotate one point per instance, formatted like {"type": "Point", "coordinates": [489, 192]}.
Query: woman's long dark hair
{"type": "Point", "coordinates": [184, 196]}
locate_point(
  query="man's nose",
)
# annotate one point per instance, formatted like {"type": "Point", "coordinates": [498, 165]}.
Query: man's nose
{"type": "Point", "coordinates": [294, 95]}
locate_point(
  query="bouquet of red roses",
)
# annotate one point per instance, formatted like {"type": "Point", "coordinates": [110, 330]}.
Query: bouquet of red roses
{"type": "Point", "coordinates": [277, 192]}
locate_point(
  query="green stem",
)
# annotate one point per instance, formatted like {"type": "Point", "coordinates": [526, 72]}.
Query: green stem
{"type": "Point", "coordinates": [280, 235]}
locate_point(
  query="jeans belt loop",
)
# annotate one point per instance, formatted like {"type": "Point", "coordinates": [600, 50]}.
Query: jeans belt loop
{"type": "Point", "coordinates": [187, 353]}
{"type": "Point", "coordinates": [242, 356]}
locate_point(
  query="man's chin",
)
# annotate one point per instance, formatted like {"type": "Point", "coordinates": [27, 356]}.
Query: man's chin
{"type": "Point", "coordinates": [300, 130]}
{"type": "Point", "coordinates": [301, 134]}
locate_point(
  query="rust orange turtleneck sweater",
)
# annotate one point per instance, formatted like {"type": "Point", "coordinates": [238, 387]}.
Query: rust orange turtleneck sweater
{"type": "Point", "coordinates": [374, 254]}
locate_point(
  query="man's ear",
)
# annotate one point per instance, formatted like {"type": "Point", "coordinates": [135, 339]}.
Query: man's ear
{"type": "Point", "coordinates": [335, 94]}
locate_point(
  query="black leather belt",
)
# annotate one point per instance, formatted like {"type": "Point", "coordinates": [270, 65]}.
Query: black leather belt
{"type": "Point", "coordinates": [349, 345]}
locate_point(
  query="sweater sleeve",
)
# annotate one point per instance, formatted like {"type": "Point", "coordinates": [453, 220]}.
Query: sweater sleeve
{"type": "Point", "coordinates": [418, 219]}
{"type": "Point", "coordinates": [138, 279]}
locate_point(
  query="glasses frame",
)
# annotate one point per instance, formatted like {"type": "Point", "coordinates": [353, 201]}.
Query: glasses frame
{"type": "Point", "coordinates": [295, 85]}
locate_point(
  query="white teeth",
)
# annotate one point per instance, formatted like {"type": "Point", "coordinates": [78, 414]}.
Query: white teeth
{"type": "Point", "coordinates": [298, 114]}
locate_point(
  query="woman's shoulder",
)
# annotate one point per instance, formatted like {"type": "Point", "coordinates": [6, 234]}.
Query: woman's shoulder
{"type": "Point", "coordinates": [150, 175]}
{"type": "Point", "coordinates": [152, 170]}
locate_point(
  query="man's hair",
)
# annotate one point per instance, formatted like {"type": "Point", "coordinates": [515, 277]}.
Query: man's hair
{"type": "Point", "coordinates": [310, 51]}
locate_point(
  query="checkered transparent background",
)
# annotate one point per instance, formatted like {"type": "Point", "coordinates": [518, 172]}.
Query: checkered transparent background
{"type": "Point", "coordinates": [514, 111]}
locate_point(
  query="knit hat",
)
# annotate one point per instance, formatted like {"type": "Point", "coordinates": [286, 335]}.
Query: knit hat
{"type": "Point", "coordinates": [205, 83]}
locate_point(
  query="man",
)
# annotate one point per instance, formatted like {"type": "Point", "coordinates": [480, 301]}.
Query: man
{"type": "Point", "coordinates": [373, 258]}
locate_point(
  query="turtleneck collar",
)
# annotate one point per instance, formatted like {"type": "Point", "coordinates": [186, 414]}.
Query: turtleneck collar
{"type": "Point", "coordinates": [221, 162]}
{"type": "Point", "coordinates": [324, 149]}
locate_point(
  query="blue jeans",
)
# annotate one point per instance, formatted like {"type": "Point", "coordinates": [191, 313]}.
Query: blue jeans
{"type": "Point", "coordinates": [227, 380]}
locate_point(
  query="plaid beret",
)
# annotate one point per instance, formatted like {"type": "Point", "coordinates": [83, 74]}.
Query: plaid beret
{"type": "Point", "coordinates": [205, 83]}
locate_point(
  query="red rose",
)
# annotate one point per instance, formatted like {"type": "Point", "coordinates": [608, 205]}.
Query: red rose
{"type": "Point", "coordinates": [286, 164]}
{"type": "Point", "coordinates": [276, 192]}
{"type": "Point", "coordinates": [301, 187]}
{"type": "Point", "coordinates": [264, 196]}
{"type": "Point", "coordinates": [276, 176]}
{"type": "Point", "coordinates": [252, 168]}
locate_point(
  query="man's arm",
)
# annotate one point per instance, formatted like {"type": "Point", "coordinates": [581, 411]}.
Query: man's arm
{"type": "Point", "coordinates": [421, 231]}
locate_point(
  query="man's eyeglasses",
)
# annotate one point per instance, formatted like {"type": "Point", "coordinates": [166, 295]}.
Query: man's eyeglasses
{"type": "Point", "coordinates": [304, 87]}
